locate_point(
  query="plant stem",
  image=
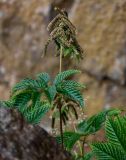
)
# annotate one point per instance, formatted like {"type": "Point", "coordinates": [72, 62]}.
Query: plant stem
{"type": "Point", "coordinates": [83, 149]}
{"type": "Point", "coordinates": [61, 126]}
{"type": "Point", "coordinates": [60, 106]}
{"type": "Point", "coordinates": [61, 54]}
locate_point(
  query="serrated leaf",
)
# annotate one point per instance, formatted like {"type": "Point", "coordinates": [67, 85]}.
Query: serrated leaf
{"type": "Point", "coordinates": [116, 132]}
{"type": "Point", "coordinates": [43, 77]}
{"type": "Point", "coordinates": [114, 112]}
{"type": "Point", "coordinates": [92, 124]}
{"type": "Point", "coordinates": [115, 148]}
{"type": "Point", "coordinates": [34, 114]}
{"type": "Point", "coordinates": [71, 93]}
{"type": "Point", "coordinates": [71, 83]}
{"type": "Point", "coordinates": [26, 84]}
{"type": "Point", "coordinates": [33, 85]}
{"type": "Point", "coordinates": [95, 122]}
{"type": "Point", "coordinates": [64, 75]}
{"type": "Point", "coordinates": [21, 100]}
{"type": "Point", "coordinates": [107, 151]}
{"type": "Point", "coordinates": [51, 93]}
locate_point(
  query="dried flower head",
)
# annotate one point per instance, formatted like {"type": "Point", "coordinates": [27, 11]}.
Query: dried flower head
{"type": "Point", "coordinates": [63, 32]}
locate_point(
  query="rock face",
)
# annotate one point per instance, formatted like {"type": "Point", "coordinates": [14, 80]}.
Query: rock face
{"type": "Point", "coordinates": [21, 141]}
{"type": "Point", "coordinates": [101, 32]}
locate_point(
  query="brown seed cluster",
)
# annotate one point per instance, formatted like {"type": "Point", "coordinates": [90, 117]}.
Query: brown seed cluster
{"type": "Point", "coordinates": [63, 32]}
{"type": "Point", "coordinates": [67, 107]}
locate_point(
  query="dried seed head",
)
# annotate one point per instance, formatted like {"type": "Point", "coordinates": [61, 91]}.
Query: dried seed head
{"type": "Point", "coordinates": [63, 32]}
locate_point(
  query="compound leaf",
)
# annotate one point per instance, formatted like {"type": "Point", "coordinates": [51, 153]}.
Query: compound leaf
{"type": "Point", "coordinates": [64, 75]}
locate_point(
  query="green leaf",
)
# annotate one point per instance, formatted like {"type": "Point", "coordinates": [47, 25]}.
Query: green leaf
{"type": "Point", "coordinates": [26, 84]}
{"type": "Point", "coordinates": [6, 104]}
{"type": "Point", "coordinates": [64, 75]}
{"type": "Point", "coordinates": [107, 151]}
{"type": "Point", "coordinates": [34, 85]}
{"type": "Point", "coordinates": [71, 83]}
{"type": "Point", "coordinates": [92, 124]}
{"type": "Point", "coordinates": [67, 51]}
{"type": "Point", "coordinates": [51, 93]}
{"type": "Point", "coordinates": [114, 112]}
{"type": "Point", "coordinates": [43, 77]}
{"type": "Point", "coordinates": [115, 148]}
{"type": "Point", "coordinates": [69, 138]}
{"type": "Point", "coordinates": [121, 120]}
{"type": "Point", "coordinates": [34, 114]}
{"type": "Point", "coordinates": [36, 96]}
{"type": "Point", "coordinates": [71, 93]}
{"type": "Point", "coordinates": [116, 132]}
{"type": "Point", "coordinates": [21, 99]}
{"type": "Point", "coordinates": [95, 122]}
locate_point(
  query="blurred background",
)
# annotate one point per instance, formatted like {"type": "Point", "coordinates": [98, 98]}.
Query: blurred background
{"type": "Point", "coordinates": [101, 31]}
{"type": "Point", "coordinates": [101, 28]}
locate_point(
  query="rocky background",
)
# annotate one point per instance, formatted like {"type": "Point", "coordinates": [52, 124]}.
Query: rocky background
{"type": "Point", "coordinates": [101, 26]}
